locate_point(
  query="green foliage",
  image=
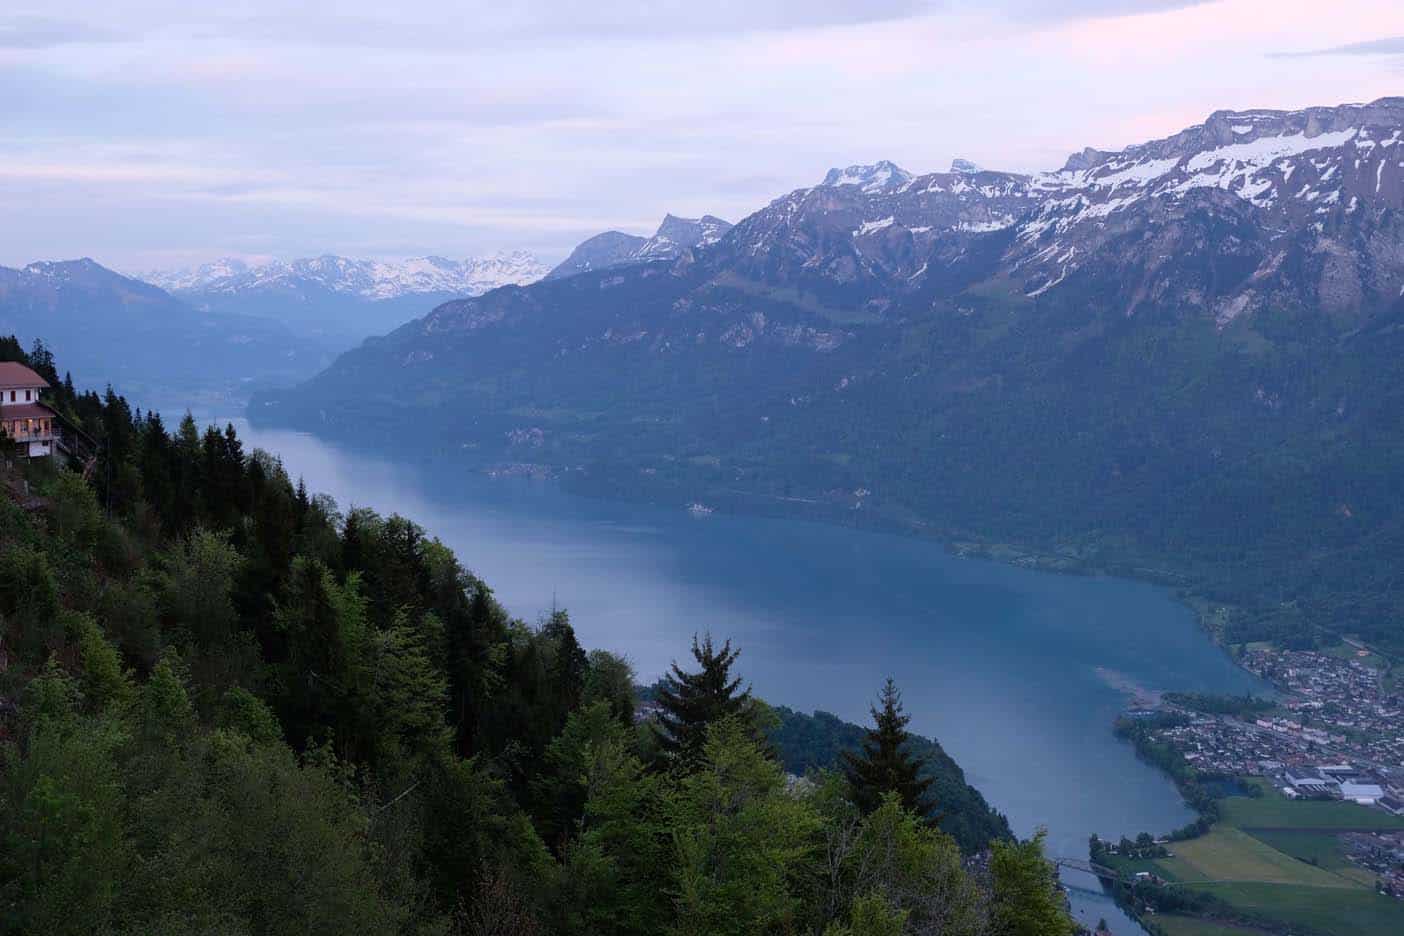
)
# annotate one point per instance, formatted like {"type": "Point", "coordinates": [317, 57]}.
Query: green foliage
{"type": "Point", "coordinates": [65, 857]}
{"type": "Point", "coordinates": [1027, 900]}
{"type": "Point", "coordinates": [805, 743]}
{"type": "Point", "coordinates": [105, 684]}
{"type": "Point", "coordinates": [884, 764]}
{"type": "Point", "coordinates": [250, 715]}
{"type": "Point", "coordinates": [609, 678]}
{"type": "Point", "coordinates": [693, 701]}
{"type": "Point", "coordinates": [871, 916]}
{"type": "Point", "coordinates": [29, 601]}
{"type": "Point", "coordinates": [742, 840]}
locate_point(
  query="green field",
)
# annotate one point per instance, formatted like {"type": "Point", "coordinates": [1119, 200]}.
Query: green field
{"type": "Point", "coordinates": [1354, 912]}
{"type": "Point", "coordinates": [1322, 849]}
{"type": "Point", "coordinates": [1280, 860]}
{"type": "Point", "coordinates": [1274, 811]}
{"type": "Point", "coordinates": [1229, 854]}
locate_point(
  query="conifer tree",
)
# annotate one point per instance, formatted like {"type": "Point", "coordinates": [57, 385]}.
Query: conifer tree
{"type": "Point", "coordinates": [692, 701]}
{"type": "Point", "coordinates": [884, 765]}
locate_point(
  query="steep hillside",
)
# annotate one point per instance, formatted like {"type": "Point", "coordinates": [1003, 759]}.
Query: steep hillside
{"type": "Point", "coordinates": [1177, 360]}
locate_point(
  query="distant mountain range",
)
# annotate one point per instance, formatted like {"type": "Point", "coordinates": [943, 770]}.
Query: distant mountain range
{"type": "Point", "coordinates": [109, 328]}
{"type": "Point", "coordinates": [1179, 359]}
{"type": "Point", "coordinates": [371, 280]}
{"type": "Point", "coordinates": [339, 300]}
{"type": "Point", "coordinates": [209, 336]}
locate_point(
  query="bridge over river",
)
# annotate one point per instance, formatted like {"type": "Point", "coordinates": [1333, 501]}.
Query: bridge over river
{"type": "Point", "coordinates": [1105, 873]}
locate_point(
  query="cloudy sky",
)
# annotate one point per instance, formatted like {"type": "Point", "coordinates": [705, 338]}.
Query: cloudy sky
{"type": "Point", "coordinates": [159, 133]}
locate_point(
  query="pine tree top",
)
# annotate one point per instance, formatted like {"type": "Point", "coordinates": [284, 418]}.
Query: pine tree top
{"type": "Point", "coordinates": [693, 700]}
{"type": "Point", "coordinates": [883, 764]}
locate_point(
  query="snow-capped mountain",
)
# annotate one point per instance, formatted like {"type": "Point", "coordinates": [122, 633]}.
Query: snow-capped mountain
{"type": "Point", "coordinates": [878, 179]}
{"type": "Point", "coordinates": [1306, 200]}
{"type": "Point", "coordinates": [366, 279]}
{"type": "Point", "coordinates": [1246, 210]}
{"type": "Point", "coordinates": [674, 237]}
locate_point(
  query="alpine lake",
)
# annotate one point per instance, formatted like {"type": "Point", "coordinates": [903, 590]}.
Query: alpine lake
{"type": "Point", "coordinates": [1018, 673]}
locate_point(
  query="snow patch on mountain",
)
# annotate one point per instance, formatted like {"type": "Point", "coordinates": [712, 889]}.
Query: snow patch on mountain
{"type": "Point", "coordinates": [879, 177]}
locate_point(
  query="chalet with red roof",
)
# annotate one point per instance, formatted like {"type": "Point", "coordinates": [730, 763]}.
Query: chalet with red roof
{"type": "Point", "coordinates": [26, 422]}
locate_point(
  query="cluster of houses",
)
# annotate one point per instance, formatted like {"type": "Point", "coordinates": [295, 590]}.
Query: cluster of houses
{"type": "Point", "coordinates": [1343, 701]}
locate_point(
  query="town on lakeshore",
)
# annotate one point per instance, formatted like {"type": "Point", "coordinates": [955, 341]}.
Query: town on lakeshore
{"type": "Point", "coordinates": [1315, 773]}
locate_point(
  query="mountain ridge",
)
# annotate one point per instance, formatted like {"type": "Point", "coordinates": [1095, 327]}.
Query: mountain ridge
{"type": "Point", "coordinates": [675, 236]}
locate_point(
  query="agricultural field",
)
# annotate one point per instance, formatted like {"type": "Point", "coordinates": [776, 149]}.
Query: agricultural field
{"type": "Point", "coordinates": [1318, 848]}
{"type": "Point", "coordinates": [1274, 811]}
{"type": "Point", "coordinates": [1229, 854]}
{"type": "Point", "coordinates": [1280, 860]}
{"type": "Point", "coordinates": [1355, 912]}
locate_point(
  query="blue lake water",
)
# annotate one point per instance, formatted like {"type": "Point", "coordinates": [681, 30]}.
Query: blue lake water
{"type": "Point", "coordinates": [1018, 673]}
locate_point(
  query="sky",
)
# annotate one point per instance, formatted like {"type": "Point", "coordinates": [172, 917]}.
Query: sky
{"type": "Point", "coordinates": [157, 134]}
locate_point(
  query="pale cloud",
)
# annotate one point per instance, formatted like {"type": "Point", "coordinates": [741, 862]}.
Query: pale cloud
{"type": "Point", "coordinates": [420, 127]}
{"type": "Point", "coordinates": [1394, 45]}
{"type": "Point", "coordinates": [42, 32]}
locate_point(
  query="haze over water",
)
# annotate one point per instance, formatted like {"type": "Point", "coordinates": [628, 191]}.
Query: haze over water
{"type": "Point", "coordinates": [1018, 673]}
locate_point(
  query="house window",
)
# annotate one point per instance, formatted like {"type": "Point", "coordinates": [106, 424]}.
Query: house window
{"type": "Point", "coordinates": [12, 396]}
{"type": "Point", "coordinates": [26, 396]}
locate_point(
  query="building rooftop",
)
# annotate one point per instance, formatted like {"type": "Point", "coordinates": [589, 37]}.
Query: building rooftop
{"type": "Point", "coordinates": [14, 411]}
{"type": "Point", "coordinates": [14, 375]}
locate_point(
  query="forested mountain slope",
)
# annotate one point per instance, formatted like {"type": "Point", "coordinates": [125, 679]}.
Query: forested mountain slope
{"type": "Point", "coordinates": [1177, 360]}
{"type": "Point", "coordinates": [227, 707]}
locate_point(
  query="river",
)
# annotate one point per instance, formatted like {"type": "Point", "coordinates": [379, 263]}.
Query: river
{"type": "Point", "coordinates": [1018, 673]}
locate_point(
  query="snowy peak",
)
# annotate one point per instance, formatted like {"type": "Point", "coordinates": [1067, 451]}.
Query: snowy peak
{"type": "Point", "coordinates": [880, 177]}
{"type": "Point", "coordinates": [84, 273]}
{"type": "Point", "coordinates": [367, 279]}
{"type": "Point", "coordinates": [613, 248]}
{"type": "Point", "coordinates": [964, 167]}
{"type": "Point", "coordinates": [676, 234]}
